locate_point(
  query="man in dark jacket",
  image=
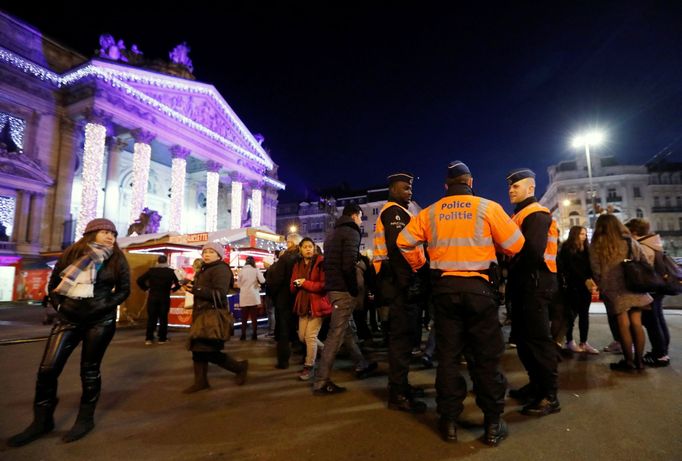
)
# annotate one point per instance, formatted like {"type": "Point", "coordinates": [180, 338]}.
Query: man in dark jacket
{"type": "Point", "coordinates": [277, 280]}
{"type": "Point", "coordinates": [159, 280]}
{"type": "Point", "coordinates": [341, 250]}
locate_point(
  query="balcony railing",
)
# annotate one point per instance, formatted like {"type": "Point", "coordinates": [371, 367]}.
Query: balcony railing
{"type": "Point", "coordinates": [8, 247]}
{"type": "Point", "coordinates": [666, 209]}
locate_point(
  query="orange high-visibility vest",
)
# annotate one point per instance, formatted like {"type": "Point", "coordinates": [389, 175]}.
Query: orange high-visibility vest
{"type": "Point", "coordinates": [552, 235]}
{"type": "Point", "coordinates": [380, 252]}
{"type": "Point", "coordinates": [462, 232]}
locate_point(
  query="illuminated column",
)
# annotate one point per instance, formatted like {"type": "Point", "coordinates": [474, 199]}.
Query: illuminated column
{"type": "Point", "coordinates": [142, 154]}
{"type": "Point", "coordinates": [112, 189]}
{"type": "Point", "coordinates": [37, 210]}
{"type": "Point", "coordinates": [93, 160]}
{"type": "Point", "coordinates": [20, 231]}
{"type": "Point", "coordinates": [178, 173]}
{"type": "Point", "coordinates": [237, 186]}
{"type": "Point", "coordinates": [212, 180]}
{"type": "Point", "coordinates": [256, 204]}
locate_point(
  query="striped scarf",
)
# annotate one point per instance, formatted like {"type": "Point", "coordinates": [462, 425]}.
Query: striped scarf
{"type": "Point", "coordinates": [78, 280]}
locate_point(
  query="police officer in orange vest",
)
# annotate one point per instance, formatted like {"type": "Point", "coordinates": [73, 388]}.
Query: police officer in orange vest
{"type": "Point", "coordinates": [463, 232]}
{"type": "Point", "coordinates": [532, 284]}
{"type": "Point", "coordinates": [397, 289]}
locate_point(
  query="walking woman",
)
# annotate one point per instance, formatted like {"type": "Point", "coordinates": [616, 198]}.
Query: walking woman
{"type": "Point", "coordinates": [250, 281]}
{"type": "Point", "coordinates": [307, 284]}
{"type": "Point", "coordinates": [610, 246]}
{"type": "Point", "coordinates": [89, 281]}
{"type": "Point", "coordinates": [212, 282]}
{"type": "Point", "coordinates": [574, 270]}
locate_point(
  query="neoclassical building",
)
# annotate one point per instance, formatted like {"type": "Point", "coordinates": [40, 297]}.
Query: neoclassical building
{"type": "Point", "coordinates": [109, 136]}
{"type": "Point", "coordinates": [652, 191]}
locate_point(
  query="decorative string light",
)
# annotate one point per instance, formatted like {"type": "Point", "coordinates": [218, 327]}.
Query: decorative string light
{"type": "Point", "coordinates": [178, 173]}
{"type": "Point", "coordinates": [8, 206]}
{"type": "Point", "coordinates": [142, 154]}
{"type": "Point", "coordinates": [236, 218]}
{"type": "Point", "coordinates": [212, 179]}
{"type": "Point", "coordinates": [257, 204]}
{"type": "Point", "coordinates": [93, 160]}
{"type": "Point", "coordinates": [273, 182]}
{"type": "Point", "coordinates": [117, 78]}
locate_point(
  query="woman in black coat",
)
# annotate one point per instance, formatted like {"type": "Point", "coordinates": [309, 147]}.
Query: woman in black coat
{"type": "Point", "coordinates": [88, 283]}
{"type": "Point", "coordinates": [574, 270]}
{"type": "Point", "coordinates": [211, 284]}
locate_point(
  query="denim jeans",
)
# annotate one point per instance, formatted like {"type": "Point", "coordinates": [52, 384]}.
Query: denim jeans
{"type": "Point", "coordinates": [308, 328]}
{"type": "Point", "coordinates": [340, 331]}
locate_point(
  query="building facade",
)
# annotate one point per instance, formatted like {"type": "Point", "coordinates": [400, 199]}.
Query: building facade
{"type": "Point", "coordinates": [652, 191]}
{"type": "Point", "coordinates": [315, 219]}
{"type": "Point", "coordinates": [112, 135]}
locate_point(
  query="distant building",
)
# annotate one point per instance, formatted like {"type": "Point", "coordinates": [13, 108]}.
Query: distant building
{"type": "Point", "coordinates": [315, 218]}
{"type": "Point", "coordinates": [652, 191]}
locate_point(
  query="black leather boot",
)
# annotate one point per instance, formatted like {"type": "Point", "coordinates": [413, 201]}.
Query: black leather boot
{"type": "Point", "coordinates": [43, 423]}
{"type": "Point", "coordinates": [200, 378]}
{"type": "Point", "coordinates": [495, 431]}
{"type": "Point", "coordinates": [85, 422]}
{"type": "Point", "coordinates": [448, 429]}
{"type": "Point", "coordinates": [404, 401]}
{"type": "Point", "coordinates": [543, 406]}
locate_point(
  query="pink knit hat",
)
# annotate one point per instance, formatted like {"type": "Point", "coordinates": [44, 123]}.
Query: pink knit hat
{"type": "Point", "coordinates": [217, 247]}
{"type": "Point", "coordinates": [99, 224]}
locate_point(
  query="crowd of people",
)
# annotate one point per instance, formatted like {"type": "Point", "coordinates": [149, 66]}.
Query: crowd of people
{"type": "Point", "coordinates": [451, 263]}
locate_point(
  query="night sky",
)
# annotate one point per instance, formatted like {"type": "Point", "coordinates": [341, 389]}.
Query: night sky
{"type": "Point", "coordinates": [355, 93]}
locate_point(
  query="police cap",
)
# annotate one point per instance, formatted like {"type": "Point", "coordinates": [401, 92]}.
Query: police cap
{"type": "Point", "coordinates": [400, 177]}
{"type": "Point", "coordinates": [518, 174]}
{"type": "Point", "coordinates": [457, 168]}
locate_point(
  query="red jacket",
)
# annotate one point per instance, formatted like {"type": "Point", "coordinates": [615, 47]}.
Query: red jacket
{"type": "Point", "coordinates": [310, 297]}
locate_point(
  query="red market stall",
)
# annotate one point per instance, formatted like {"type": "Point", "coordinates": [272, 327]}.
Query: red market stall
{"type": "Point", "coordinates": [181, 251]}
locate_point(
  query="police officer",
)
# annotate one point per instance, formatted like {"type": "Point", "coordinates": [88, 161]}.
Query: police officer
{"type": "Point", "coordinates": [462, 232]}
{"type": "Point", "coordinates": [532, 284]}
{"type": "Point", "coordinates": [399, 290]}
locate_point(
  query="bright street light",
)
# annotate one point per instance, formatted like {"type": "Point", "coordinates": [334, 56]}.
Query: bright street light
{"type": "Point", "coordinates": [592, 138]}
{"type": "Point", "coordinates": [292, 229]}
{"type": "Point", "coordinates": [566, 202]}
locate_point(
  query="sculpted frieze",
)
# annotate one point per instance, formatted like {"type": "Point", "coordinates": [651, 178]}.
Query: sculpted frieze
{"type": "Point", "coordinates": [202, 111]}
{"type": "Point", "coordinates": [125, 104]}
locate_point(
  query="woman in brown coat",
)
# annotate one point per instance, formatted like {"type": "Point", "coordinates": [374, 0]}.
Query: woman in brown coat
{"type": "Point", "coordinates": [212, 282]}
{"type": "Point", "coordinates": [608, 249]}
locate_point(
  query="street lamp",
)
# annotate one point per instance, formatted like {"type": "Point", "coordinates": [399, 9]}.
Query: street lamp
{"type": "Point", "coordinates": [594, 139]}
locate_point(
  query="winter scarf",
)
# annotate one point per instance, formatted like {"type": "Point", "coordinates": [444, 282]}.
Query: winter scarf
{"type": "Point", "coordinates": [78, 280]}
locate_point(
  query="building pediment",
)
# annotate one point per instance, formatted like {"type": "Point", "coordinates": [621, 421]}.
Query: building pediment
{"type": "Point", "coordinates": [196, 105]}
{"type": "Point", "coordinates": [19, 171]}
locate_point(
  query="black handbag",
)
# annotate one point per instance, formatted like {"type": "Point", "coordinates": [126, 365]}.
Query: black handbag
{"type": "Point", "coordinates": [640, 276]}
{"type": "Point", "coordinates": [215, 323]}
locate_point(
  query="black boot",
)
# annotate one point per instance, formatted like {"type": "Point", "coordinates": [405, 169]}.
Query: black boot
{"type": "Point", "coordinates": [85, 422]}
{"type": "Point", "coordinates": [240, 379]}
{"type": "Point", "coordinates": [448, 429]}
{"type": "Point", "coordinates": [404, 401]}
{"type": "Point", "coordinates": [200, 378]}
{"type": "Point", "coordinates": [43, 423]}
{"type": "Point", "coordinates": [543, 406]}
{"type": "Point", "coordinates": [495, 431]}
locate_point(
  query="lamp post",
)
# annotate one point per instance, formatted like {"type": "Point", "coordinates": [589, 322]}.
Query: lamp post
{"type": "Point", "coordinates": [594, 139]}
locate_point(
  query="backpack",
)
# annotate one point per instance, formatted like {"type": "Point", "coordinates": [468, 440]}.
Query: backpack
{"type": "Point", "coordinates": [671, 273]}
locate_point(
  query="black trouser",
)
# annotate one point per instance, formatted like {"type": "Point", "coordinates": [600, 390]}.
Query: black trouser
{"type": "Point", "coordinates": [157, 311]}
{"type": "Point", "coordinates": [63, 339]}
{"type": "Point", "coordinates": [404, 319]}
{"type": "Point", "coordinates": [469, 320]}
{"type": "Point", "coordinates": [285, 328]}
{"type": "Point", "coordinates": [657, 328]}
{"type": "Point", "coordinates": [578, 300]}
{"type": "Point", "coordinates": [360, 318]}
{"type": "Point", "coordinates": [530, 328]}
